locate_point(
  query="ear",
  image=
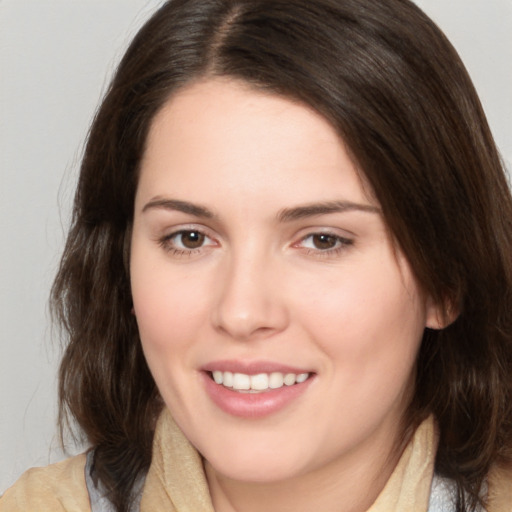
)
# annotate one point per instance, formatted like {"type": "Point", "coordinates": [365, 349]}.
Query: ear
{"type": "Point", "coordinates": [440, 315]}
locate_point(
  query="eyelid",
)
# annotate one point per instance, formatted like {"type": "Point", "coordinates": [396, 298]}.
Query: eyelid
{"type": "Point", "coordinates": [337, 238]}
{"type": "Point", "coordinates": [170, 231]}
{"type": "Point", "coordinates": [306, 232]}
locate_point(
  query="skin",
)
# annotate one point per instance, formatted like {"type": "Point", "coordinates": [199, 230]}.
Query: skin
{"type": "Point", "coordinates": [260, 287]}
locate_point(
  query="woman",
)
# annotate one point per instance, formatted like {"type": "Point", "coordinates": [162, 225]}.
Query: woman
{"type": "Point", "coordinates": [287, 283]}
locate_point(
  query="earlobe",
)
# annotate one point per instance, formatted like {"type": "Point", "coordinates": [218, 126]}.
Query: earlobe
{"type": "Point", "coordinates": [440, 316]}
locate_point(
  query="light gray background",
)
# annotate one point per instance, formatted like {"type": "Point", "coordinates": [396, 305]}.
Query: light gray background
{"type": "Point", "coordinates": [55, 60]}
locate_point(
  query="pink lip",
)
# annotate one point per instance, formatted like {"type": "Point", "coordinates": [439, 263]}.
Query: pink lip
{"type": "Point", "coordinates": [251, 367]}
{"type": "Point", "coordinates": [252, 405]}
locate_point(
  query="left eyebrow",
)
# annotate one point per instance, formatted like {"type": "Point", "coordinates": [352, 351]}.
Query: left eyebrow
{"type": "Point", "coordinates": [313, 209]}
{"type": "Point", "coordinates": [180, 206]}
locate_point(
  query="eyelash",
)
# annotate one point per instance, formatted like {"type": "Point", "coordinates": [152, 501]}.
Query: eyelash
{"type": "Point", "coordinates": [167, 243]}
{"type": "Point", "coordinates": [341, 244]}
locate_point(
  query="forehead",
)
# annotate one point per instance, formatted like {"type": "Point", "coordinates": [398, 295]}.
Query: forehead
{"type": "Point", "coordinates": [222, 135]}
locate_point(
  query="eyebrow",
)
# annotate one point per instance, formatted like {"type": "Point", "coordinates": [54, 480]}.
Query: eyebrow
{"type": "Point", "coordinates": [311, 210]}
{"type": "Point", "coordinates": [180, 206]}
{"type": "Point", "coordinates": [285, 215]}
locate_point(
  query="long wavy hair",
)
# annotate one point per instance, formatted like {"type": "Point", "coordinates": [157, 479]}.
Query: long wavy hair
{"type": "Point", "coordinates": [395, 90]}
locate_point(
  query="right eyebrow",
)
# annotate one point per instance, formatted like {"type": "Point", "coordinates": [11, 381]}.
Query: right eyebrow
{"type": "Point", "coordinates": [177, 205]}
{"type": "Point", "coordinates": [324, 208]}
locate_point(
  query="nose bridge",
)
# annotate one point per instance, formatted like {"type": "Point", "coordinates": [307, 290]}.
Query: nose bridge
{"type": "Point", "coordinates": [249, 300]}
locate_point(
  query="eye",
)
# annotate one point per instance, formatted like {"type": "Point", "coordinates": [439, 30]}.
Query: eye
{"type": "Point", "coordinates": [324, 242]}
{"type": "Point", "coordinates": [189, 239]}
{"type": "Point", "coordinates": [186, 241]}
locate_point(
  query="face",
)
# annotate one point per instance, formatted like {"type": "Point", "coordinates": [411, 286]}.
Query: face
{"type": "Point", "coordinates": [279, 321]}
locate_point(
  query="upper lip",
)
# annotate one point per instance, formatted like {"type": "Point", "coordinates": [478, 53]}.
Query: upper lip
{"type": "Point", "coordinates": [251, 367]}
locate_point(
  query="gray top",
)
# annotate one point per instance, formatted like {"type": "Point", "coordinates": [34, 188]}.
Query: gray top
{"type": "Point", "coordinates": [443, 494]}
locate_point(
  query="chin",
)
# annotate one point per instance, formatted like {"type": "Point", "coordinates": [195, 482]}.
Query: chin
{"type": "Point", "coordinates": [251, 471]}
{"type": "Point", "coordinates": [250, 461]}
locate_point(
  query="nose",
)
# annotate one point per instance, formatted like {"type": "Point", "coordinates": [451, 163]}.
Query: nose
{"type": "Point", "coordinates": [250, 303]}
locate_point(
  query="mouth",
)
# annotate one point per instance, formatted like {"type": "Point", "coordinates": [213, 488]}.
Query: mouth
{"type": "Point", "coordinates": [255, 389]}
{"type": "Point", "coordinates": [257, 383]}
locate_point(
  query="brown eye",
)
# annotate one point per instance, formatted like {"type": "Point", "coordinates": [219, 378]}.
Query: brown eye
{"type": "Point", "coordinates": [323, 241]}
{"type": "Point", "coordinates": [190, 239]}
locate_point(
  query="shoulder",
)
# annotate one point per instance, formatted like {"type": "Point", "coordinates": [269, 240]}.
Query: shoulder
{"type": "Point", "coordinates": [57, 488]}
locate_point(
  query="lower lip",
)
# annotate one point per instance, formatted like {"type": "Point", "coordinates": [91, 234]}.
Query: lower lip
{"type": "Point", "coordinates": [253, 405]}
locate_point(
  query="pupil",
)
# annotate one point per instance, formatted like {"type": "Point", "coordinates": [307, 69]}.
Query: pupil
{"type": "Point", "coordinates": [324, 241]}
{"type": "Point", "coordinates": [192, 239]}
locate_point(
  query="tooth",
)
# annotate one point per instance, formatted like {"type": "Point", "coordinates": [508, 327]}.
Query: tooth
{"type": "Point", "coordinates": [259, 382]}
{"type": "Point", "coordinates": [241, 381]}
{"type": "Point", "coordinates": [275, 380]}
{"type": "Point", "coordinates": [227, 379]}
{"type": "Point", "coordinates": [289, 379]}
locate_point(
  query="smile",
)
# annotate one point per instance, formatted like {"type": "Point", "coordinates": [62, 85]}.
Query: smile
{"type": "Point", "coordinates": [254, 389]}
{"type": "Point", "coordinates": [260, 382]}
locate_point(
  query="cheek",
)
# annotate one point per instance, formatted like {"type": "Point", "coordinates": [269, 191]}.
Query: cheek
{"type": "Point", "coordinates": [369, 330]}
{"type": "Point", "coordinates": [167, 305]}
{"type": "Point", "coordinates": [370, 322]}
{"type": "Point", "coordinates": [168, 314]}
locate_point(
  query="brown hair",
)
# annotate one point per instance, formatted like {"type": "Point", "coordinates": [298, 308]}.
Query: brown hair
{"type": "Point", "coordinates": [394, 88]}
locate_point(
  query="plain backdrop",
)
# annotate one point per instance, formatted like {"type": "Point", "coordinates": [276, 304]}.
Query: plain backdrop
{"type": "Point", "coordinates": [56, 57]}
